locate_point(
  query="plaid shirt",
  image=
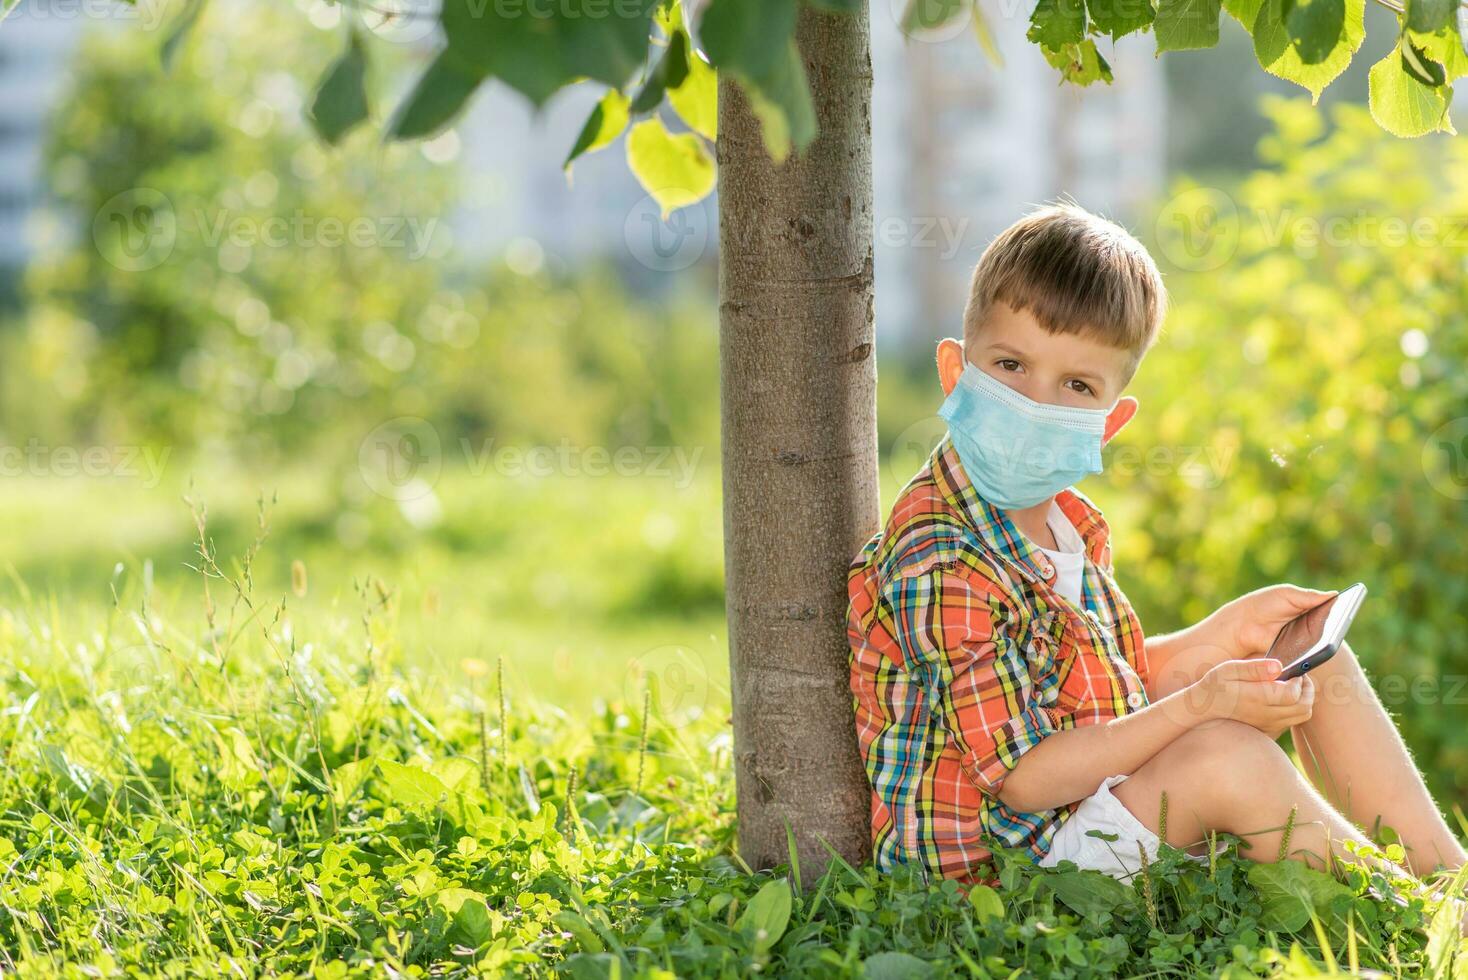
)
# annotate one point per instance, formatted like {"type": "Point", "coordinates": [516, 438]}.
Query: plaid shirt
{"type": "Point", "coordinates": [963, 657]}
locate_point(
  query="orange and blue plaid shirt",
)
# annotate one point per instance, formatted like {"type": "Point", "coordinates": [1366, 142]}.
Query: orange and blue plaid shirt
{"type": "Point", "coordinates": [963, 657]}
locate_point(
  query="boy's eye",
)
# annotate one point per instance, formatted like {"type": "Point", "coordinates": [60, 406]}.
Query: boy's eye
{"type": "Point", "coordinates": [1007, 364]}
{"type": "Point", "coordinates": [1076, 384]}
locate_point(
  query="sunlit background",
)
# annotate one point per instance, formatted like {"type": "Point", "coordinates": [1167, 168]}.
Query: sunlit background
{"type": "Point", "coordinates": [450, 383]}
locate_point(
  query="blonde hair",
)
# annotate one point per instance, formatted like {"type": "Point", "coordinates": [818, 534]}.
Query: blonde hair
{"type": "Point", "coordinates": [1074, 272]}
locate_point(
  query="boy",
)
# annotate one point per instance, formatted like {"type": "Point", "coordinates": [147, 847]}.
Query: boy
{"type": "Point", "coordinates": [1004, 689]}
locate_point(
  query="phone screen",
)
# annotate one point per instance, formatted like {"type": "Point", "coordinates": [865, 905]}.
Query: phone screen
{"type": "Point", "coordinates": [1301, 634]}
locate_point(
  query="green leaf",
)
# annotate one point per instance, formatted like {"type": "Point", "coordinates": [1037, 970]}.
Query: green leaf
{"type": "Point", "coordinates": [1290, 892]}
{"type": "Point", "coordinates": [1315, 27]}
{"type": "Point", "coordinates": [1401, 104]}
{"type": "Point", "coordinates": [580, 930]}
{"type": "Point", "coordinates": [1183, 25]}
{"type": "Point", "coordinates": [604, 125]}
{"type": "Point", "coordinates": [347, 779]}
{"type": "Point", "coordinates": [837, 6]}
{"type": "Point", "coordinates": [675, 169]}
{"type": "Point", "coordinates": [1056, 23]}
{"type": "Point", "coordinates": [470, 926]}
{"type": "Point", "coordinates": [538, 48]}
{"type": "Point", "coordinates": [1118, 18]}
{"type": "Point", "coordinates": [1446, 48]}
{"type": "Point", "coordinates": [781, 101]}
{"type": "Point", "coordinates": [1244, 11]}
{"type": "Point", "coordinates": [894, 965]}
{"type": "Point", "coordinates": [409, 786]}
{"type": "Point", "coordinates": [764, 919]}
{"type": "Point", "coordinates": [986, 903]}
{"type": "Point", "coordinates": [593, 966]}
{"type": "Point", "coordinates": [341, 99]}
{"type": "Point", "coordinates": [183, 25]}
{"type": "Point", "coordinates": [670, 71]}
{"type": "Point", "coordinates": [1090, 893]}
{"type": "Point", "coordinates": [1427, 16]}
{"type": "Point", "coordinates": [436, 100]}
{"type": "Point", "coordinates": [1080, 64]}
{"type": "Point", "coordinates": [697, 100]}
{"type": "Point", "coordinates": [747, 36]}
{"type": "Point", "coordinates": [1416, 63]}
{"type": "Point", "coordinates": [1278, 55]}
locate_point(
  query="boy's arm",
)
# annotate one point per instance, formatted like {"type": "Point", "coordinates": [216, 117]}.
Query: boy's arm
{"type": "Point", "coordinates": [1068, 766]}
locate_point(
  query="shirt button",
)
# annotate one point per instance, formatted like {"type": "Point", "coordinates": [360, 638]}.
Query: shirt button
{"type": "Point", "coordinates": [1134, 699]}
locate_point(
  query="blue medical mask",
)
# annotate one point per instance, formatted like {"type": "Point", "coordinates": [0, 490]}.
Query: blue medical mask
{"type": "Point", "coordinates": [1018, 452]}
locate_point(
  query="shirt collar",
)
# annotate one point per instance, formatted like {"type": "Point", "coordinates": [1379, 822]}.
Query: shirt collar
{"type": "Point", "coordinates": [993, 525]}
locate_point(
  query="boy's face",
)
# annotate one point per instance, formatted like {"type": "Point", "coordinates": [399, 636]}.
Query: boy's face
{"type": "Point", "coordinates": [1054, 369]}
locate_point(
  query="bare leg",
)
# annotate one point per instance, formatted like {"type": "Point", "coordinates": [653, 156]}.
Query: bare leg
{"type": "Point", "coordinates": [1230, 777]}
{"type": "Point", "coordinates": [1352, 751]}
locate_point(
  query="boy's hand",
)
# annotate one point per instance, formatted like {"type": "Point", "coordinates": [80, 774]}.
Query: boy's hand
{"type": "Point", "coordinates": [1249, 691]}
{"type": "Point", "coordinates": [1247, 626]}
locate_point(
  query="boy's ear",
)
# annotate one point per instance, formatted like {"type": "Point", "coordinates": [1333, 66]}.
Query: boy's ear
{"type": "Point", "coordinates": [950, 363]}
{"type": "Point", "coordinates": [1121, 413]}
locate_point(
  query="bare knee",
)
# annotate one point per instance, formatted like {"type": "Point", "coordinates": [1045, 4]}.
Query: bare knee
{"type": "Point", "coordinates": [1221, 766]}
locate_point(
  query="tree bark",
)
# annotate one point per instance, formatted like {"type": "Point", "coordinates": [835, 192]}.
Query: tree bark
{"type": "Point", "coordinates": [798, 377]}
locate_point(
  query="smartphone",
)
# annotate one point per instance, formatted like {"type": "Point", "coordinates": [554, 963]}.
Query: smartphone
{"type": "Point", "coordinates": [1313, 637]}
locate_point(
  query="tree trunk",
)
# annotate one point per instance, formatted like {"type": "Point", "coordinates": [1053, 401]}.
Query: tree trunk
{"type": "Point", "coordinates": [798, 377]}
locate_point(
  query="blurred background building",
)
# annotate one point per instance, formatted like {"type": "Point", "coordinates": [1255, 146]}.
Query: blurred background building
{"type": "Point", "coordinates": [962, 145]}
{"type": "Point", "coordinates": [36, 41]}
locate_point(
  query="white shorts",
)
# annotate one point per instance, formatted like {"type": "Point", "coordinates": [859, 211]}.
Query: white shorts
{"type": "Point", "coordinates": [1102, 814]}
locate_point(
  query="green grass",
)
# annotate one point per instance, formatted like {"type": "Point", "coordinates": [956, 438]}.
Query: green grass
{"type": "Point", "coordinates": [345, 782]}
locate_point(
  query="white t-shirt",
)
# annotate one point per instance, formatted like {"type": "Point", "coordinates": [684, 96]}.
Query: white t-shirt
{"type": "Point", "coordinates": [1069, 558]}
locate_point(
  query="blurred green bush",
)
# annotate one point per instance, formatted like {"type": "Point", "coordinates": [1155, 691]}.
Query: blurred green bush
{"type": "Point", "coordinates": [226, 281]}
{"type": "Point", "coordinates": [1304, 416]}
